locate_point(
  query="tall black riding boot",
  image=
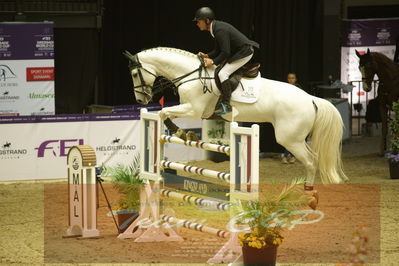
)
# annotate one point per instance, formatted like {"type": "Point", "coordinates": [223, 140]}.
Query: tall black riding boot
{"type": "Point", "coordinates": [224, 105]}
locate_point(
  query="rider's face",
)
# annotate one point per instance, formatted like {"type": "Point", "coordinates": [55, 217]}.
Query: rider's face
{"type": "Point", "coordinates": [201, 24]}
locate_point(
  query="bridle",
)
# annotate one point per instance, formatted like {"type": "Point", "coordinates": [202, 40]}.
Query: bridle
{"type": "Point", "coordinates": [151, 90]}
{"type": "Point", "coordinates": [134, 63]}
{"type": "Point", "coordinates": [366, 77]}
{"type": "Point", "coordinates": [365, 63]}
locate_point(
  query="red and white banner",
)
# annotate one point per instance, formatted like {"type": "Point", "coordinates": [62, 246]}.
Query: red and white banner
{"type": "Point", "coordinates": [40, 74]}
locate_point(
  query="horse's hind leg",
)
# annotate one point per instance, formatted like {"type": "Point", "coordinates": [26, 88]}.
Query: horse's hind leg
{"type": "Point", "coordinates": [302, 152]}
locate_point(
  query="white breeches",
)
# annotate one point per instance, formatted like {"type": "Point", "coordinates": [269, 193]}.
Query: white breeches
{"type": "Point", "coordinates": [229, 68]}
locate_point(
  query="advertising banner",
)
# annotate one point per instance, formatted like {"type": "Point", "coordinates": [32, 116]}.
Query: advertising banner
{"type": "Point", "coordinates": [39, 150]}
{"type": "Point", "coordinates": [36, 147]}
{"type": "Point", "coordinates": [378, 35]}
{"type": "Point", "coordinates": [27, 68]}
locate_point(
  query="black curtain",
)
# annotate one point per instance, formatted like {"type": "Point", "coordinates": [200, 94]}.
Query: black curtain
{"type": "Point", "coordinates": [290, 35]}
{"type": "Point", "coordinates": [138, 25]}
{"type": "Point", "coordinates": [76, 68]}
{"type": "Point", "coordinates": [289, 32]}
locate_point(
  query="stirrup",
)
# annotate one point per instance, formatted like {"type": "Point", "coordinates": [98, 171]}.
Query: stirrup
{"type": "Point", "coordinates": [223, 109]}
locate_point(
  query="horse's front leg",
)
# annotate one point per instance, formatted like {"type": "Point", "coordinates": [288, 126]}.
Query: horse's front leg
{"type": "Point", "coordinates": [182, 110]}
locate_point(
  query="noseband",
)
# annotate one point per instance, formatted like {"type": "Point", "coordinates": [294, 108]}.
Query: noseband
{"type": "Point", "coordinates": [135, 64]}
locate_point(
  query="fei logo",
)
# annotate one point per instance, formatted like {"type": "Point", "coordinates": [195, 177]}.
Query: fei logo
{"type": "Point", "coordinates": [57, 147]}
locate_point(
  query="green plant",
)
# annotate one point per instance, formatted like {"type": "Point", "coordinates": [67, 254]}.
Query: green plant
{"type": "Point", "coordinates": [267, 217]}
{"type": "Point", "coordinates": [126, 180]}
{"type": "Point", "coordinates": [393, 125]}
{"type": "Point", "coordinates": [216, 135]}
{"type": "Point", "coordinates": [223, 142]}
{"type": "Point", "coordinates": [219, 131]}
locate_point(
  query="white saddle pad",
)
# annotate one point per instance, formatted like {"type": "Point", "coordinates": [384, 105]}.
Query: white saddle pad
{"type": "Point", "coordinates": [247, 90]}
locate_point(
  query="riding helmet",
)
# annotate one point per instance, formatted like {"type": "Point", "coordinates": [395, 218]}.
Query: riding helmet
{"type": "Point", "coordinates": [204, 13]}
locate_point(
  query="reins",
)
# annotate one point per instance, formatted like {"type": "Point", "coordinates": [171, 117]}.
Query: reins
{"type": "Point", "coordinates": [160, 88]}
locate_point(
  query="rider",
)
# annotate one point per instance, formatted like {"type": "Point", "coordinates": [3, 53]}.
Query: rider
{"type": "Point", "coordinates": [231, 46]}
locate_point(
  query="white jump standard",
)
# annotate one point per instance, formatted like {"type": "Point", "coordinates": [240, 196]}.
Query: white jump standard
{"type": "Point", "coordinates": [82, 193]}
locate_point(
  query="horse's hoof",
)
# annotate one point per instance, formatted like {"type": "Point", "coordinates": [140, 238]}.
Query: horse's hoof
{"type": "Point", "coordinates": [192, 136]}
{"type": "Point", "coordinates": [163, 115]}
{"type": "Point", "coordinates": [180, 133]}
{"type": "Point", "coordinates": [313, 203]}
{"type": "Point", "coordinates": [314, 199]}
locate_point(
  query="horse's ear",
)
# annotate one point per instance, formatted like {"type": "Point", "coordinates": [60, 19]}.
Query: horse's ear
{"type": "Point", "coordinates": [128, 55]}
{"type": "Point", "coordinates": [368, 50]}
{"type": "Point", "coordinates": [357, 53]}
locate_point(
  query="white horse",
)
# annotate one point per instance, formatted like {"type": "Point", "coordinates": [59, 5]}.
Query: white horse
{"type": "Point", "coordinates": [294, 114]}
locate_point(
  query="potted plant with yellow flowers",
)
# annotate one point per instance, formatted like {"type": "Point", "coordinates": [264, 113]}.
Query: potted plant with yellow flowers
{"type": "Point", "coordinates": [266, 218]}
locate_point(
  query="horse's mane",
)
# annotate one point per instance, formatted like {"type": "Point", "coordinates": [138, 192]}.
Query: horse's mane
{"type": "Point", "coordinates": [173, 50]}
{"type": "Point", "coordinates": [385, 60]}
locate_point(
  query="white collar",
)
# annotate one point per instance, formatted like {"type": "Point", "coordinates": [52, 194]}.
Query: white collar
{"type": "Point", "coordinates": [210, 30]}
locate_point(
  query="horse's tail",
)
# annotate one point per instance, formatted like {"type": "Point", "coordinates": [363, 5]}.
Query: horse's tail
{"type": "Point", "coordinates": [326, 142]}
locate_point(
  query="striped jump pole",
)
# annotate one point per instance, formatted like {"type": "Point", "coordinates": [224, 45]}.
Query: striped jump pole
{"type": "Point", "coordinates": [195, 200]}
{"type": "Point", "coordinates": [196, 170]}
{"type": "Point", "coordinates": [195, 226]}
{"type": "Point", "coordinates": [197, 144]}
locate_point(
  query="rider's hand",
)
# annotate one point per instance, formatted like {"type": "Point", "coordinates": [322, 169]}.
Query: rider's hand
{"type": "Point", "coordinates": [203, 55]}
{"type": "Point", "coordinates": [208, 62]}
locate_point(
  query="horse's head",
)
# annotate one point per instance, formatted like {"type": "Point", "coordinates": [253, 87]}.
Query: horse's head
{"type": "Point", "coordinates": [367, 68]}
{"type": "Point", "coordinates": [142, 77]}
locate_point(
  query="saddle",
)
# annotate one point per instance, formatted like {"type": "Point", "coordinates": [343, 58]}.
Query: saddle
{"type": "Point", "coordinates": [249, 70]}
